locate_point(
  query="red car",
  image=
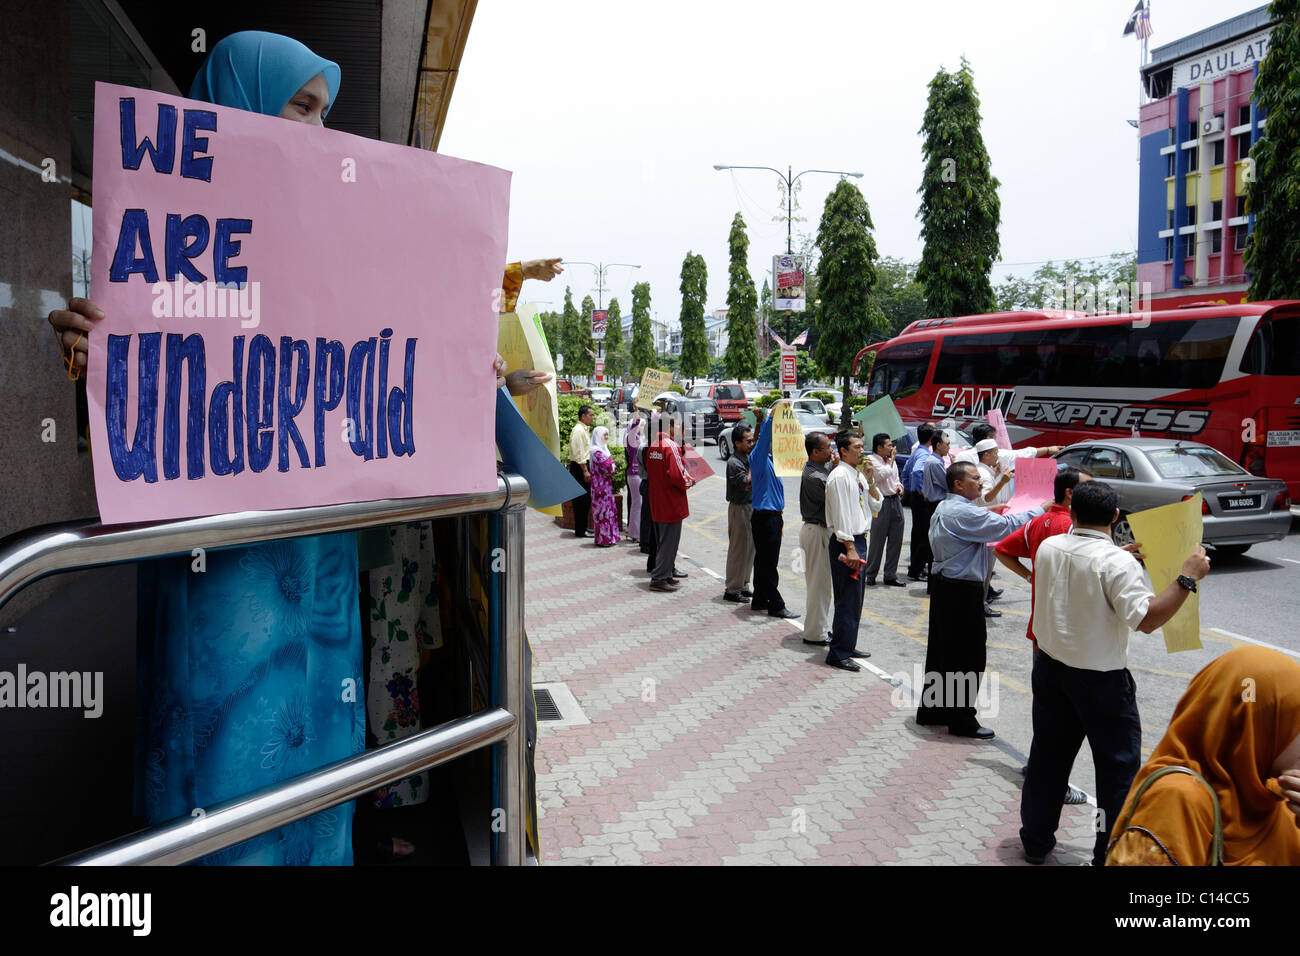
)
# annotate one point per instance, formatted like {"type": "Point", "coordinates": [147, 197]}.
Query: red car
{"type": "Point", "coordinates": [729, 396]}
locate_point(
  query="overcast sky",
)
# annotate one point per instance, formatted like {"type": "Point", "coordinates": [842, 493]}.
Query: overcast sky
{"type": "Point", "coordinates": [611, 114]}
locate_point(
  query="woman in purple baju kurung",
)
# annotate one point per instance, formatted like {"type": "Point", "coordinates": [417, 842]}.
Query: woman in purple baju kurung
{"type": "Point", "coordinates": [602, 466]}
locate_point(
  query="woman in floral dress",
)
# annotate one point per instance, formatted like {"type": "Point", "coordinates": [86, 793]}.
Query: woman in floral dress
{"type": "Point", "coordinates": [603, 515]}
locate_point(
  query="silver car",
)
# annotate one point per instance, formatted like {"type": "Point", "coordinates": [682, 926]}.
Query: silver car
{"type": "Point", "coordinates": [1237, 508]}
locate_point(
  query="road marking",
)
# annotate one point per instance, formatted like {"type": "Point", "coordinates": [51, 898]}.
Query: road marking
{"type": "Point", "coordinates": [1292, 560]}
{"type": "Point", "coordinates": [1249, 640]}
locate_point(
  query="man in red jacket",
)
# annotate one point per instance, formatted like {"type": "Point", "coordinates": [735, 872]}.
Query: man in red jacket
{"type": "Point", "coordinates": [668, 504]}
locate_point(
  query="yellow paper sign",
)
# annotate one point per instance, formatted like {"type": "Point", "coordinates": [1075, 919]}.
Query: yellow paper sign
{"type": "Point", "coordinates": [522, 346]}
{"type": "Point", "coordinates": [654, 382]}
{"type": "Point", "coordinates": [1168, 535]}
{"type": "Point", "coordinates": [788, 452]}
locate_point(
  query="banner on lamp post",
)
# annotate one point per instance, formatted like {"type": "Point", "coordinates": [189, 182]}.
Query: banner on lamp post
{"type": "Point", "coordinates": [789, 293]}
{"type": "Point", "coordinates": [598, 320]}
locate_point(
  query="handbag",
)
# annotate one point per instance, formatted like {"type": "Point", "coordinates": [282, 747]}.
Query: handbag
{"type": "Point", "coordinates": [1216, 841]}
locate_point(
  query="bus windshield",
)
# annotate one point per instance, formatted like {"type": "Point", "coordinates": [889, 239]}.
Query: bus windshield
{"type": "Point", "coordinates": [900, 371]}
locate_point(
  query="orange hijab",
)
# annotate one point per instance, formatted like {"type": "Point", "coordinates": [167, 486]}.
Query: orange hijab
{"type": "Point", "coordinates": [1237, 716]}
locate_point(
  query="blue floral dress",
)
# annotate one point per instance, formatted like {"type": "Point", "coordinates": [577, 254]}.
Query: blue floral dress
{"type": "Point", "coordinates": [249, 673]}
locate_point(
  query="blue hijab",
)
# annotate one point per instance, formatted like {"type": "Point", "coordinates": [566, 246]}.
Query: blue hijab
{"type": "Point", "coordinates": [260, 72]}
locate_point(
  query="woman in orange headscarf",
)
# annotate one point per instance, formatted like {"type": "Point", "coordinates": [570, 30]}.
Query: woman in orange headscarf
{"type": "Point", "coordinates": [1238, 727]}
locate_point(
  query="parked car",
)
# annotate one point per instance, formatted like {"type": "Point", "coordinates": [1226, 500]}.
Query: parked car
{"type": "Point", "coordinates": [730, 397]}
{"type": "Point", "coordinates": [1238, 509]}
{"type": "Point", "coordinates": [700, 418]}
{"type": "Point", "coordinates": [564, 387]}
{"type": "Point", "coordinates": [600, 395]}
{"type": "Point", "coordinates": [622, 395]}
{"type": "Point", "coordinates": [753, 390]}
{"type": "Point", "coordinates": [813, 406]}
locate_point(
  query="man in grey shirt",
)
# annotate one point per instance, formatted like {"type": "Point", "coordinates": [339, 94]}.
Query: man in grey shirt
{"type": "Point", "coordinates": [814, 539]}
{"type": "Point", "coordinates": [740, 539]}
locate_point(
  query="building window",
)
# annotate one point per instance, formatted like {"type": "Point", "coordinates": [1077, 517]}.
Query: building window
{"type": "Point", "coordinates": [1216, 240]}
{"type": "Point", "coordinates": [1191, 245]}
{"type": "Point", "coordinates": [1169, 248]}
{"type": "Point", "coordinates": [1169, 166]}
{"type": "Point", "coordinates": [1191, 129]}
{"type": "Point", "coordinates": [1218, 153]}
{"type": "Point", "coordinates": [1191, 216]}
{"type": "Point", "coordinates": [1169, 219]}
{"type": "Point", "coordinates": [1216, 210]}
{"type": "Point", "coordinates": [1243, 146]}
{"type": "Point", "coordinates": [1193, 159]}
{"type": "Point", "coordinates": [1239, 234]}
{"type": "Point", "coordinates": [1243, 115]}
{"type": "Point", "coordinates": [1241, 205]}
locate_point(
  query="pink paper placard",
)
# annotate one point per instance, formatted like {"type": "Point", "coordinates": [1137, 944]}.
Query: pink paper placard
{"type": "Point", "coordinates": [999, 423]}
{"type": "Point", "coordinates": [353, 363]}
{"type": "Point", "coordinates": [1035, 483]}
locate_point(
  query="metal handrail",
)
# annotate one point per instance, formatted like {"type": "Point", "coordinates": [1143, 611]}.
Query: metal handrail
{"type": "Point", "coordinates": [30, 555]}
{"type": "Point", "coordinates": [27, 556]}
{"type": "Point", "coordinates": [240, 819]}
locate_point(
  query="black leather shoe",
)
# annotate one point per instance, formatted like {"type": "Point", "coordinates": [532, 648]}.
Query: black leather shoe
{"type": "Point", "coordinates": [989, 612]}
{"type": "Point", "coordinates": [582, 535]}
{"type": "Point", "coordinates": [975, 731]}
{"type": "Point", "coordinates": [995, 593]}
{"type": "Point", "coordinates": [785, 612]}
{"type": "Point", "coordinates": [860, 655]}
{"type": "Point", "coordinates": [825, 643]}
{"type": "Point", "coordinates": [734, 596]}
{"type": "Point", "coordinates": [746, 593]}
{"type": "Point", "coordinates": [1035, 859]}
{"type": "Point", "coordinates": [871, 582]}
{"type": "Point", "coordinates": [680, 574]}
{"type": "Point", "coordinates": [918, 577]}
{"type": "Point", "coordinates": [663, 586]}
{"type": "Point", "coordinates": [845, 665]}
{"type": "Point", "coordinates": [895, 583]}
{"type": "Point", "coordinates": [757, 607]}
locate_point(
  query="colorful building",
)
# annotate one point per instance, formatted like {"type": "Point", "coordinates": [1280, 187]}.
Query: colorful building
{"type": "Point", "coordinates": [1197, 124]}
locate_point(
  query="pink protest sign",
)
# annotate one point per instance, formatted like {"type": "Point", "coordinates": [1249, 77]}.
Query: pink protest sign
{"type": "Point", "coordinates": [294, 316]}
{"type": "Point", "coordinates": [1035, 483]}
{"type": "Point", "coordinates": [999, 423]}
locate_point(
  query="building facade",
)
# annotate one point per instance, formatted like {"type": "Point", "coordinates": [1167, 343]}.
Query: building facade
{"type": "Point", "coordinates": [1196, 130]}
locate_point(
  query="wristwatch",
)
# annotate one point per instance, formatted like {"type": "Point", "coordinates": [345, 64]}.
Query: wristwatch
{"type": "Point", "coordinates": [1186, 583]}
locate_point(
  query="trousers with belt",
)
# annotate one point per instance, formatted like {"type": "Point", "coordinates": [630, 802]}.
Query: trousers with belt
{"type": "Point", "coordinates": [813, 540]}
{"type": "Point", "coordinates": [886, 528]}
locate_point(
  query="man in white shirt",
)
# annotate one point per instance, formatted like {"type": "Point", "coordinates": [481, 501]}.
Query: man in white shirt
{"type": "Point", "coordinates": [1006, 456]}
{"type": "Point", "coordinates": [1088, 595]}
{"type": "Point", "coordinates": [887, 526]}
{"type": "Point", "coordinates": [847, 491]}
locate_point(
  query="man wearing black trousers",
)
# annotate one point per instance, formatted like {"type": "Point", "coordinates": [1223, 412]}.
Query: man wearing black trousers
{"type": "Point", "coordinates": [579, 454]}
{"type": "Point", "coordinates": [767, 523]}
{"type": "Point", "coordinates": [847, 517]}
{"type": "Point", "coordinates": [914, 498]}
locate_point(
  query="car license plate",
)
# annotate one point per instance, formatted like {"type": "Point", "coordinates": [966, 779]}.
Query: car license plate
{"type": "Point", "coordinates": [1239, 502]}
{"type": "Point", "coordinates": [1286, 439]}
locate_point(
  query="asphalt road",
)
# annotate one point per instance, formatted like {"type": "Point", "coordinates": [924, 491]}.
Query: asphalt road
{"type": "Point", "coordinates": [1254, 598]}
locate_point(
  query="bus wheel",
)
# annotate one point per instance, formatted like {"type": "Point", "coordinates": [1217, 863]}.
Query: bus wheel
{"type": "Point", "coordinates": [1232, 549]}
{"type": "Point", "coordinates": [1121, 533]}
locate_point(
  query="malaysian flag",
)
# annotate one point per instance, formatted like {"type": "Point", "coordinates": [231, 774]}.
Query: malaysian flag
{"type": "Point", "coordinates": [1138, 12]}
{"type": "Point", "coordinates": [1143, 28]}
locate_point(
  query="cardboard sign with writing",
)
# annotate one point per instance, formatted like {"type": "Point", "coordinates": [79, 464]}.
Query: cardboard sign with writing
{"type": "Point", "coordinates": [1035, 483]}
{"type": "Point", "coordinates": [271, 338]}
{"type": "Point", "coordinates": [880, 416]}
{"type": "Point", "coordinates": [654, 382]}
{"type": "Point", "coordinates": [788, 452]}
{"type": "Point", "coordinates": [696, 466]}
{"type": "Point", "coordinates": [1168, 535]}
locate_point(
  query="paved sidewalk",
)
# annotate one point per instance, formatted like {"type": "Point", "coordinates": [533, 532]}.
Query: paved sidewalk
{"type": "Point", "coordinates": [718, 737]}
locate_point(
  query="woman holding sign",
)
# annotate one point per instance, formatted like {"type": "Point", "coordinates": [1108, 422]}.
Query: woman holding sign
{"type": "Point", "coordinates": [250, 658]}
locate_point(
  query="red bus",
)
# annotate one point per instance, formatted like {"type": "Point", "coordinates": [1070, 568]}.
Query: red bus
{"type": "Point", "coordinates": [1226, 375]}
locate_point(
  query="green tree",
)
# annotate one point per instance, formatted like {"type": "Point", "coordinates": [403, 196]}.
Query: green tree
{"type": "Point", "coordinates": [764, 311]}
{"type": "Point", "coordinates": [570, 334]}
{"type": "Point", "coordinates": [695, 344]}
{"type": "Point", "coordinates": [1273, 249]}
{"type": "Point", "coordinates": [741, 360]}
{"type": "Point", "coordinates": [1090, 287]}
{"type": "Point", "coordinates": [847, 276]}
{"type": "Point", "coordinates": [615, 361]}
{"type": "Point", "coordinates": [900, 297]}
{"type": "Point", "coordinates": [551, 328]}
{"type": "Point", "coordinates": [642, 352]}
{"type": "Point", "coordinates": [581, 362]}
{"type": "Point", "coordinates": [960, 211]}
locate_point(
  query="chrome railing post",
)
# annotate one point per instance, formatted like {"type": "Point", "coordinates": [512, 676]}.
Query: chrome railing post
{"type": "Point", "coordinates": [514, 683]}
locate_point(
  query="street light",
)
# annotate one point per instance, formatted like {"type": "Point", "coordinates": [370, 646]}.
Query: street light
{"type": "Point", "coordinates": [789, 193]}
{"type": "Point", "coordinates": [601, 269]}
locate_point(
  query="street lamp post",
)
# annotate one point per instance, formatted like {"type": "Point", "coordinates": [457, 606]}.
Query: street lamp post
{"type": "Point", "coordinates": [601, 269]}
{"type": "Point", "coordinates": [789, 182]}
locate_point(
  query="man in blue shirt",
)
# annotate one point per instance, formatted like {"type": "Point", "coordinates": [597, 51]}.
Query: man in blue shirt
{"type": "Point", "coordinates": [766, 523]}
{"type": "Point", "coordinates": [915, 501]}
{"type": "Point", "coordinates": [934, 488]}
{"type": "Point", "coordinates": [960, 532]}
